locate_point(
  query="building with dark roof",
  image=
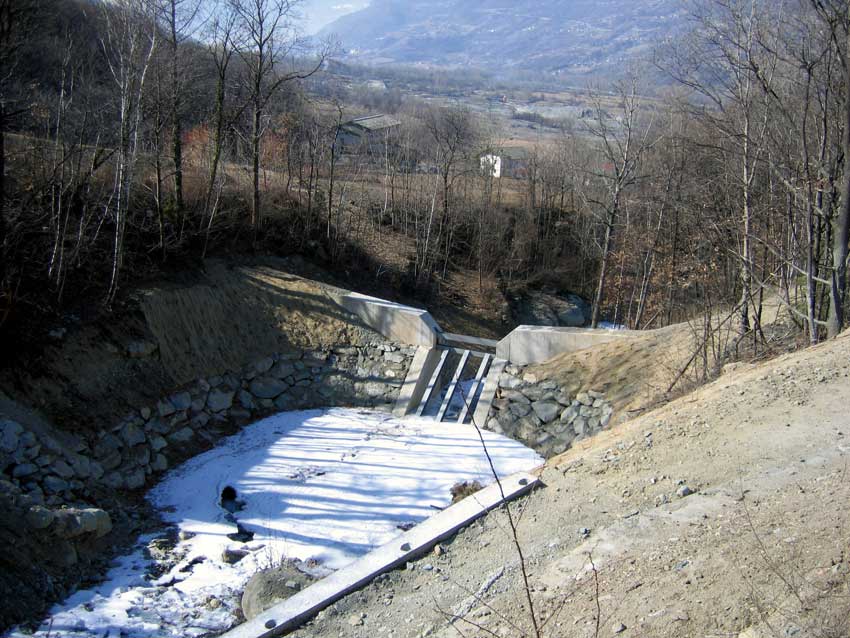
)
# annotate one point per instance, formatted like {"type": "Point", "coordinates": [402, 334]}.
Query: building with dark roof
{"type": "Point", "coordinates": [366, 134]}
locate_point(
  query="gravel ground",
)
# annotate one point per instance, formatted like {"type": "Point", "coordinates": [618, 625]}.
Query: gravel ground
{"type": "Point", "coordinates": [721, 514]}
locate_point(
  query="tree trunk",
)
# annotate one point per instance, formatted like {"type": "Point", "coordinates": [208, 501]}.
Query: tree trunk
{"type": "Point", "coordinates": [3, 231]}
{"type": "Point", "coordinates": [158, 196]}
{"type": "Point", "coordinates": [176, 121]}
{"type": "Point", "coordinates": [603, 270]}
{"type": "Point", "coordinates": [255, 167]}
{"type": "Point", "coordinates": [746, 249]}
{"type": "Point", "coordinates": [841, 223]}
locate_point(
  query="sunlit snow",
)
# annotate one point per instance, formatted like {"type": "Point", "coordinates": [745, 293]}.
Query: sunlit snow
{"type": "Point", "coordinates": [318, 486]}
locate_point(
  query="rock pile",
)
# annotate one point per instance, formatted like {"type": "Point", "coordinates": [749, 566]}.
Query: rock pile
{"type": "Point", "coordinates": [549, 308]}
{"type": "Point", "coordinates": [544, 415]}
{"type": "Point", "coordinates": [42, 467]}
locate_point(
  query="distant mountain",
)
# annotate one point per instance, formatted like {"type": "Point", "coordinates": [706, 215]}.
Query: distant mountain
{"type": "Point", "coordinates": [570, 37]}
{"type": "Point", "coordinates": [318, 13]}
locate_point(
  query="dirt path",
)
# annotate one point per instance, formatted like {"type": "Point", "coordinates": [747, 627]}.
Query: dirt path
{"type": "Point", "coordinates": [763, 536]}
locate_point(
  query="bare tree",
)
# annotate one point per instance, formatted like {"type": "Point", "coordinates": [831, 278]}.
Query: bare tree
{"type": "Point", "coordinates": [180, 18]}
{"type": "Point", "coordinates": [220, 49]}
{"type": "Point", "coordinates": [12, 16]}
{"type": "Point", "coordinates": [267, 39]}
{"type": "Point", "coordinates": [623, 141]}
{"type": "Point", "coordinates": [452, 135]}
{"type": "Point", "coordinates": [837, 18]}
{"type": "Point", "coordinates": [725, 65]}
{"type": "Point", "coordinates": [841, 231]}
{"type": "Point", "coordinates": [128, 43]}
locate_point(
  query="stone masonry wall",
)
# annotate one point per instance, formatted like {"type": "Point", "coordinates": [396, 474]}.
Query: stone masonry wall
{"type": "Point", "coordinates": [149, 440]}
{"type": "Point", "coordinates": [543, 415]}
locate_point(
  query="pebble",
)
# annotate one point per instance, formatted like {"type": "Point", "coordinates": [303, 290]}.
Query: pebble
{"type": "Point", "coordinates": [684, 491]}
{"type": "Point", "coordinates": [619, 628]}
{"type": "Point", "coordinates": [233, 556]}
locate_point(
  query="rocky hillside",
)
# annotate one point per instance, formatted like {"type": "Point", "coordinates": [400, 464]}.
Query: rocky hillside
{"type": "Point", "coordinates": [569, 37]}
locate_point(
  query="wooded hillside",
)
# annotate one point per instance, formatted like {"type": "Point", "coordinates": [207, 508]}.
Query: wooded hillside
{"type": "Point", "coordinates": [137, 135]}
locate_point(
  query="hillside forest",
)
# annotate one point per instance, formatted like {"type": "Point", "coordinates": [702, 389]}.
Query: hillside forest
{"type": "Point", "coordinates": [139, 136]}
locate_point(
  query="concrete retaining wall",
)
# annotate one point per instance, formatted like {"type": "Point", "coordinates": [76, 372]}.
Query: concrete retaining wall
{"type": "Point", "coordinates": [535, 344]}
{"type": "Point", "coordinates": [396, 322]}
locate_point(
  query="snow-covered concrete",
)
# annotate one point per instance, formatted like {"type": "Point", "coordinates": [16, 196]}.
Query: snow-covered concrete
{"type": "Point", "coordinates": [319, 486]}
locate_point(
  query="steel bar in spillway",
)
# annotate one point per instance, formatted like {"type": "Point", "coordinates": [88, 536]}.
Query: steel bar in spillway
{"type": "Point", "coordinates": [469, 401]}
{"type": "Point", "coordinates": [447, 400]}
{"type": "Point", "coordinates": [296, 610]}
{"type": "Point", "coordinates": [433, 383]}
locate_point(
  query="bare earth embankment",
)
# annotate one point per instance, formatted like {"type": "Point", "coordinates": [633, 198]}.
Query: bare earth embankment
{"type": "Point", "coordinates": [720, 513]}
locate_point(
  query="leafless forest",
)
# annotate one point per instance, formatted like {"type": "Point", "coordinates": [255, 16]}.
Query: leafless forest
{"type": "Point", "coordinates": [141, 135]}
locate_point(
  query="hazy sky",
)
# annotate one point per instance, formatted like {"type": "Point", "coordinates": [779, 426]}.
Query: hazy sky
{"type": "Point", "coordinates": [318, 13]}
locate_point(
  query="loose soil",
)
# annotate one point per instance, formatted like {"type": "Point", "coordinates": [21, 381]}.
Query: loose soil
{"type": "Point", "coordinates": [616, 545]}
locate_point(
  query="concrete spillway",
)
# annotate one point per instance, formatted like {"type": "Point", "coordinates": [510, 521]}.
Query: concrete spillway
{"type": "Point", "coordinates": [455, 380]}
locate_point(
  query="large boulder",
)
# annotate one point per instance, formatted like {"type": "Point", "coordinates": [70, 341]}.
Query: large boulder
{"type": "Point", "coordinates": [546, 411]}
{"type": "Point", "coordinates": [10, 433]}
{"type": "Point", "coordinates": [268, 388]}
{"type": "Point", "coordinates": [549, 308]}
{"type": "Point", "coordinates": [71, 523]}
{"type": "Point", "coordinates": [219, 401]}
{"type": "Point", "coordinates": [38, 517]}
{"type": "Point", "coordinates": [270, 587]}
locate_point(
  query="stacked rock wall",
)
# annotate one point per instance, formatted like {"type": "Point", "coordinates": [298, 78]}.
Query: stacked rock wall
{"type": "Point", "coordinates": [151, 439]}
{"type": "Point", "coordinates": [543, 414]}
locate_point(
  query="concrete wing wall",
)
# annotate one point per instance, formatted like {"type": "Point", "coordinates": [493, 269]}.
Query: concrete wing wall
{"type": "Point", "coordinates": [399, 323]}
{"type": "Point", "coordinates": [535, 344]}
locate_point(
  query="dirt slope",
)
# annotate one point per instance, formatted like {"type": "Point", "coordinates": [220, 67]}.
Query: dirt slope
{"type": "Point", "coordinates": [232, 314]}
{"type": "Point", "coordinates": [763, 537]}
{"type": "Point", "coordinates": [635, 374]}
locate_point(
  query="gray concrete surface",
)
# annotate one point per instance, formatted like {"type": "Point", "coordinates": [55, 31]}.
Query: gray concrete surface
{"type": "Point", "coordinates": [535, 344]}
{"type": "Point", "coordinates": [491, 386]}
{"type": "Point", "coordinates": [416, 382]}
{"type": "Point", "coordinates": [397, 322]}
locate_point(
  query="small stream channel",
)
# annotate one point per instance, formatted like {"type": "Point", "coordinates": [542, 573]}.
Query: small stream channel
{"type": "Point", "coordinates": [318, 488]}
